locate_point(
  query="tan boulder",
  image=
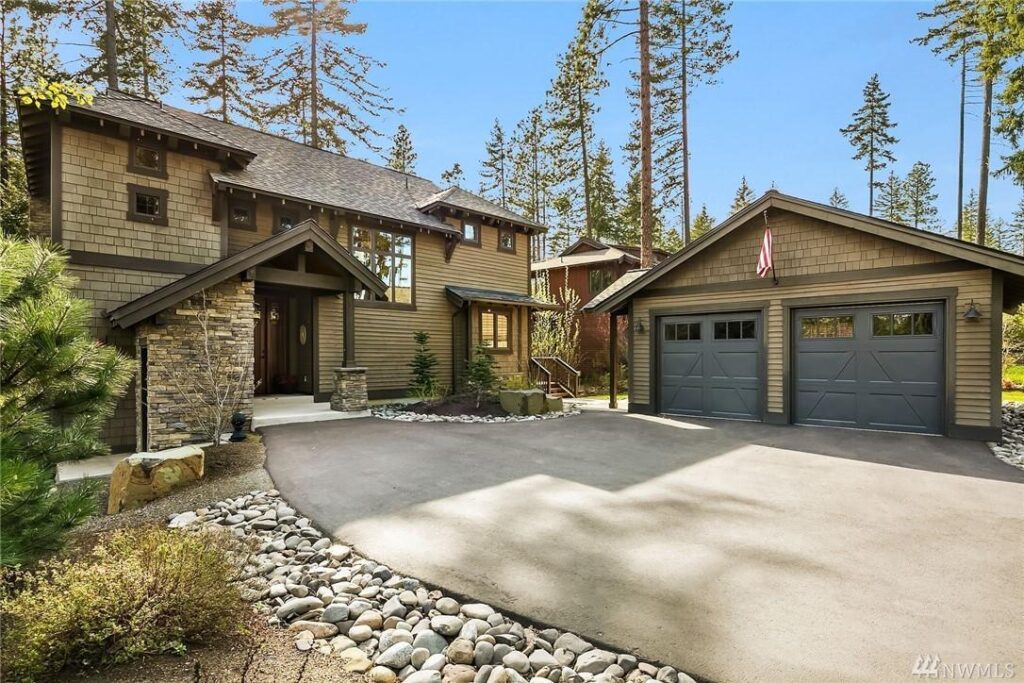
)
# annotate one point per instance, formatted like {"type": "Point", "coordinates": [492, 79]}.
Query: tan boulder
{"type": "Point", "coordinates": [143, 477]}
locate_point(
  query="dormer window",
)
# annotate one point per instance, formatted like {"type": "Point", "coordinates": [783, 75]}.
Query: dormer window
{"type": "Point", "coordinates": [147, 158]}
{"type": "Point", "coordinates": [470, 233]}
{"type": "Point", "coordinates": [242, 214]}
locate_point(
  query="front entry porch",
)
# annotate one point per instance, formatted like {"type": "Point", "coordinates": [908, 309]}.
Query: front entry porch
{"type": "Point", "coordinates": [282, 409]}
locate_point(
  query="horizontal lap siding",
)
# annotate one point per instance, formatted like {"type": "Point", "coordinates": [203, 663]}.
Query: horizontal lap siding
{"type": "Point", "coordinates": [331, 344]}
{"type": "Point", "coordinates": [734, 262]}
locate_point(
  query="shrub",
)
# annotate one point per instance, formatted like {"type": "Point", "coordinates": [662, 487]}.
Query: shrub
{"type": "Point", "coordinates": [480, 377]}
{"type": "Point", "coordinates": [517, 382]}
{"type": "Point", "coordinates": [57, 386]}
{"type": "Point", "coordinates": [142, 591]}
{"type": "Point", "coordinates": [424, 367]}
{"type": "Point", "coordinates": [557, 333]}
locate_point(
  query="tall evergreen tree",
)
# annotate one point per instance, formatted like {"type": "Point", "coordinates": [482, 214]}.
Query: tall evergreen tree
{"type": "Point", "coordinates": [453, 176]}
{"type": "Point", "coordinates": [604, 201]}
{"type": "Point", "coordinates": [870, 134]}
{"type": "Point", "coordinates": [1016, 229]}
{"type": "Point", "coordinates": [919, 196]}
{"type": "Point", "coordinates": [691, 44]}
{"type": "Point", "coordinates": [744, 196]}
{"type": "Point", "coordinates": [494, 169]}
{"type": "Point", "coordinates": [530, 175]}
{"type": "Point", "coordinates": [320, 86]}
{"type": "Point", "coordinates": [402, 156]}
{"type": "Point", "coordinates": [1008, 25]}
{"type": "Point", "coordinates": [838, 199]}
{"type": "Point", "coordinates": [223, 76]}
{"type": "Point", "coordinates": [891, 203]}
{"type": "Point", "coordinates": [703, 222]}
{"type": "Point", "coordinates": [572, 103]}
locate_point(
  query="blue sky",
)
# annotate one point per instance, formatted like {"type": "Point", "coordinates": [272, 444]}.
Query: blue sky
{"type": "Point", "coordinates": [774, 116]}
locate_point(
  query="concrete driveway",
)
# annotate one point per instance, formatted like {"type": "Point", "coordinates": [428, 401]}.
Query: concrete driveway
{"type": "Point", "coordinates": [735, 551]}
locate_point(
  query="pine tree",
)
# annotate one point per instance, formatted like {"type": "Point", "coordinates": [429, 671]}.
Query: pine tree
{"type": "Point", "coordinates": [744, 196]}
{"type": "Point", "coordinates": [604, 199]}
{"type": "Point", "coordinates": [57, 386]}
{"type": "Point", "coordinates": [1008, 25]}
{"type": "Point", "coordinates": [480, 375]}
{"type": "Point", "coordinates": [424, 366]}
{"type": "Point", "coordinates": [224, 81]}
{"type": "Point", "coordinates": [691, 44]}
{"type": "Point", "coordinates": [970, 213]}
{"type": "Point", "coordinates": [920, 196]}
{"type": "Point", "coordinates": [891, 203]}
{"type": "Point", "coordinates": [144, 32]}
{"type": "Point", "coordinates": [402, 156]}
{"type": "Point", "coordinates": [320, 86]}
{"type": "Point", "coordinates": [530, 175]}
{"type": "Point", "coordinates": [494, 171]}
{"type": "Point", "coordinates": [453, 176]}
{"type": "Point", "coordinates": [838, 199]}
{"type": "Point", "coordinates": [870, 135]}
{"type": "Point", "coordinates": [1015, 230]}
{"type": "Point", "coordinates": [703, 222]}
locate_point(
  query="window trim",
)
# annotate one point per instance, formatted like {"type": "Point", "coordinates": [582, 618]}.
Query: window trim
{"type": "Point", "coordinates": [132, 215]}
{"type": "Point", "coordinates": [506, 311]}
{"type": "Point", "coordinates": [136, 142]}
{"type": "Point", "coordinates": [377, 303]}
{"type": "Point", "coordinates": [468, 242]}
{"type": "Point", "coordinates": [248, 203]}
{"type": "Point", "coordinates": [512, 231]}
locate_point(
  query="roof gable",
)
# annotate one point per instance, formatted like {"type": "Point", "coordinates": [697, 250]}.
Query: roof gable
{"type": "Point", "coordinates": [720, 235]}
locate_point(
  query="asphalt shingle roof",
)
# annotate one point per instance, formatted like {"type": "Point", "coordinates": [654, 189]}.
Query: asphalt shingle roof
{"type": "Point", "coordinates": [628, 277]}
{"type": "Point", "coordinates": [461, 199]}
{"type": "Point", "coordinates": [495, 296]}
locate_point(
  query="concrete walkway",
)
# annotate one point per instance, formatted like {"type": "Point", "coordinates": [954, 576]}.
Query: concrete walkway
{"type": "Point", "coordinates": [736, 551]}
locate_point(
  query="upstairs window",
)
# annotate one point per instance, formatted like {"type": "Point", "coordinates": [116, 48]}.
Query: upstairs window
{"type": "Point", "coordinates": [147, 205]}
{"type": "Point", "coordinates": [599, 280]}
{"type": "Point", "coordinates": [147, 158]}
{"type": "Point", "coordinates": [470, 233]}
{"type": "Point", "coordinates": [507, 240]}
{"type": "Point", "coordinates": [495, 329]}
{"type": "Point", "coordinates": [389, 256]}
{"type": "Point", "coordinates": [241, 214]}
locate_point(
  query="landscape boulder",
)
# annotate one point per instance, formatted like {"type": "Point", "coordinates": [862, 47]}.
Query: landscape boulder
{"type": "Point", "coordinates": [143, 477]}
{"type": "Point", "coordinates": [523, 401]}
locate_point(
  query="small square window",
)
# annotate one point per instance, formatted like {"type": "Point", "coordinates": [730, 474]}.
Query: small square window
{"type": "Point", "coordinates": [147, 158]}
{"type": "Point", "coordinates": [506, 240]}
{"type": "Point", "coordinates": [242, 214]}
{"type": "Point", "coordinates": [670, 332]}
{"type": "Point", "coordinates": [881, 325]}
{"type": "Point", "coordinates": [902, 324]}
{"type": "Point", "coordinates": [923, 323]}
{"type": "Point", "coordinates": [598, 280]}
{"type": "Point", "coordinates": [147, 205]}
{"type": "Point", "coordinates": [749, 330]}
{"type": "Point", "coordinates": [721, 330]}
{"type": "Point", "coordinates": [470, 233]}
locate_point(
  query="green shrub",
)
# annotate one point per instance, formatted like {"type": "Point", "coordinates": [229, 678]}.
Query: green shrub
{"type": "Point", "coordinates": [480, 376]}
{"type": "Point", "coordinates": [424, 368]}
{"type": "Point", "coordinates": [142, 591]}
{"type": "Point", "coordinates": [517, 383]}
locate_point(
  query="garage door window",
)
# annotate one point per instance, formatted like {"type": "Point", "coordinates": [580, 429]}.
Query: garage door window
{"type": "Point", "coordinates": [682, 332]}
{"type": "Point", "coordinates": [827, 327]}
{"type": "Point", "coordinates": [735, 329]}
{"type": "Point", "coordinates": [902, 324]}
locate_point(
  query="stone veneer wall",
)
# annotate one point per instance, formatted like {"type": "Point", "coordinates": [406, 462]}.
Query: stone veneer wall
{"type": "Point", "coordinates": [175, 344]}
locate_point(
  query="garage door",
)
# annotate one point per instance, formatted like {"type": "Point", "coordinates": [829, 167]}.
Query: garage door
{"type": "Point", "coordinates": [711, 365]}
{"type": "Point", "coordinates": [878, 367]}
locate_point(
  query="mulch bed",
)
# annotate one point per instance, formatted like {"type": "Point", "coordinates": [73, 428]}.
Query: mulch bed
{"type": "Point", "coordinates": [459, 405]}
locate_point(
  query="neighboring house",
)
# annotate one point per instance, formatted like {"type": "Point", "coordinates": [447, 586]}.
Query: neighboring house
{"type": "Point", "coordinates": [872, 324]}
{"type": "Point", "coordinates": [588, 267]}
{"type": "Point", "coordinates": [309, 260]}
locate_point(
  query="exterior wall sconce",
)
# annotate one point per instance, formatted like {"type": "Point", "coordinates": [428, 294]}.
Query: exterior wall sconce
{"type": "Point", "coordinates": [972, 314]}
{"type": "Point", "coordinates": [639, 327]}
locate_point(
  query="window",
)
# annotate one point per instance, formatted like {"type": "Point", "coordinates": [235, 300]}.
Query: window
{"type": "Point", "coordinates": [507, 240]}
{"type": "Point", "coordinates": [389, 256]}
{"type": "Point", "coordinates": [682, 332]}
{"type": "Point", "coordinates": [599, 280]}
{"type": "Point", "coordinates": [495, 329]}
{"type": "Point", "coordinates": [827, 327]}
{"type": "Point", "coordinates": [470, 233]}
{"type": "Point", "coordinates": [285, 218]}
{"type": "Point", "coordinates": [147, 158]}
{"type": "Point", "coordinates": [902, 324]}
{"type": "Point", "coordinates": [147, 205]}
{"type": "Point", "coordinates": [735, 329]}
{"type": "Point", "coordinates": [241, 214]}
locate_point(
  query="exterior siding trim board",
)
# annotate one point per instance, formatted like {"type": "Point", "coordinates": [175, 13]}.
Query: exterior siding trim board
{"type": "Point", "coordinates": [95, 258]}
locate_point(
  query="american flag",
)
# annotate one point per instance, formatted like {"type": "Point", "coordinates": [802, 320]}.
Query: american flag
{"type": "Point", "coordinates": [764, 259]}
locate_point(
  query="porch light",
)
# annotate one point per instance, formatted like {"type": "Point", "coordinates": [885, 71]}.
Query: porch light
{"type": "Point", "coordinates": [639, 327]}
{"type": "Point", "coordinates": [972, 314]}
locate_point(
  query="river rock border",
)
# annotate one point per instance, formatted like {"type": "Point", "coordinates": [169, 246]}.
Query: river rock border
{"type": "Point", "coordinates": [399, 414]}
{"type": "Point", "coordinates": [1011, 449]}
{"type": "Point", "coordinates": [392, 627]}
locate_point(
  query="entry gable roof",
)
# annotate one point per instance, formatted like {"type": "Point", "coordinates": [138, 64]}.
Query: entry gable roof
{"type": "Point", "coordinates": [966, 251]}
{"type": "Point", "coordinates": [137, 310]}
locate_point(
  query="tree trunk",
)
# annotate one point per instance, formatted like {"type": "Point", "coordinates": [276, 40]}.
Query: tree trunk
{"type": "Point", "coordinates": [586, 161]}
{"type": "Point", "coordinates": [986, 139]}
{"type": "Point", "coordinates": [110, 44]}
{"type": "Point", "coordinates": [223, 71]}
{"type": "Point", "coordinates": [4, 95]}
{"type": "Point", "coordinates": [684, 95]}
{"type": "Point", "coordinates": [960, 163]}
{"type": "Point", "coordinates": [646, 194]}
{"type": "Point", "coordinates": [871, 178]}
{"type": "Point", "coordinates": [314, 103]}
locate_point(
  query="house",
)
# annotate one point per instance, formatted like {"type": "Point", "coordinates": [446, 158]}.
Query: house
{"type": "Point", "coordinates": [871, 325]}
{"type": "Point", "coordinates": [305, 260]}
{"type": "Point", "coordinates": [588, 267]}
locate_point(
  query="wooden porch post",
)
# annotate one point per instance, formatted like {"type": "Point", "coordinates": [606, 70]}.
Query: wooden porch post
{"type": "Point", "coordinates": [613, 358]}
{"type": "Point", "coordinates": [349, 314]}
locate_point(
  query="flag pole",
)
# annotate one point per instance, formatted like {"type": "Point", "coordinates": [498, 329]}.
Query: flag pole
{"type": "Point", "coordinates": [775, 278]}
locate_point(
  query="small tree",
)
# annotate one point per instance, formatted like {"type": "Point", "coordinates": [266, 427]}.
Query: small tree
{"type": "Point", "coordinates": [557, 332]}
{"type": "Point", "coordinates": [702, 223]}
{"type": "Point", "coordinates": [838, 199]}
{"type": "Point", "coordinates": [424, 366]}
{"type": "Point", "coordinates": [57, 386]}
{"type": "Point", "coordinates": [744, 196]}
{"type": "Point", "coordinates": [480, 376]}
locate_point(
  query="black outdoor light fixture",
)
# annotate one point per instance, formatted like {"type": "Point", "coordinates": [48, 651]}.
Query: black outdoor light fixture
{"type": "Point", "coordinates": [238, 422]}
{"type": "Point", "coordinates": [972, 314]}
{"type": "Point", "coordinates": [639, 327]}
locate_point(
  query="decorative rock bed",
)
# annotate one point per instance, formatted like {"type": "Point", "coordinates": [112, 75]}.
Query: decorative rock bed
{"type": "Point", "coordinates": [391, 627]}
{"type": "Point", "coordinates": [399, 414]}
{"type": "Point", "coordinates": [1011, 448]}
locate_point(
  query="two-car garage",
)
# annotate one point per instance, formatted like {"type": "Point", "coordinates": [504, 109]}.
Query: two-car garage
{"type": "Point", "coordinates": [871, 367]}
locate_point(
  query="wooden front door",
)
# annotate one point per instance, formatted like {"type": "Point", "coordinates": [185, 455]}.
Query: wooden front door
{"type": "Point", "coordinates": [271, 352]}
